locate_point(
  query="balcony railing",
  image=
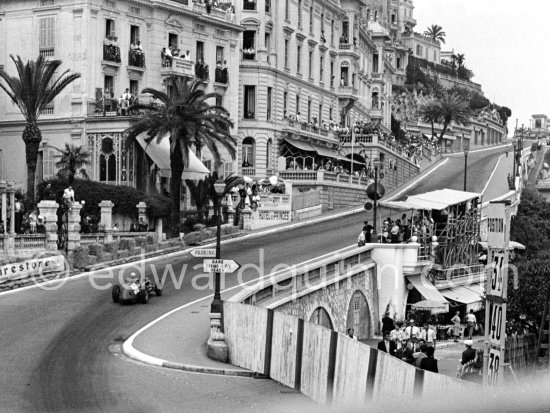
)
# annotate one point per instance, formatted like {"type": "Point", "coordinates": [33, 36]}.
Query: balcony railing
{"type": "Point", "coordinates": [291, 125]}
{"type": "Point", "coordinates": [177, 67]}
{"type": "Point", "coordinates": [49, 52]}
{"type": "Point", "coordinates": [136, 58]}
{"type": "Point", "coordinates": [249, 171]}
{"type": "Point", "coordinates": [320, 176]}
{"type": "Point", "coordinates": [212, 11]}
{"type": "Point", "coordinates": [111, 53]}
{"type": "Point", "coordinates": [221, 75]}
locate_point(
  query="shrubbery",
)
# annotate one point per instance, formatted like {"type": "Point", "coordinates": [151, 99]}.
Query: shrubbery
{"type": "Point", "coordinates": [124, 198]}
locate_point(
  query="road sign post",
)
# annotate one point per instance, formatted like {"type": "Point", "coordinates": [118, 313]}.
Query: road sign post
{"type": "Point", "coordinates": [221, 266]}
{"type": "Point", "coordinates": [204, 252]}
{"type": "Point", "coordinates": [498, 236]}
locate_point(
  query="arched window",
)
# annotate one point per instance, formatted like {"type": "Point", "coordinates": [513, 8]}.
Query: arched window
{"type": "Point", "coordinates": [268, 153]}
{"type": "Point", "coordinates": [249, 152]}
{"type": "Point", "coordinates": [107, 161]}
{"type": "Point", "coordinates": [321, 317]}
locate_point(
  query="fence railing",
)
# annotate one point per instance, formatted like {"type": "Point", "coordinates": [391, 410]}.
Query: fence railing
{"type": "Point", "coordinates": [321, 176]}
{"type": "Point", "coordinates": [30, 241]}
{"type": "Point", "coordinates": [302, 200]}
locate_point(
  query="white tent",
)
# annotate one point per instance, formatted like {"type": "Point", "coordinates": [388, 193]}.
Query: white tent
{"type": "Point", "coordinates": [160, 154]}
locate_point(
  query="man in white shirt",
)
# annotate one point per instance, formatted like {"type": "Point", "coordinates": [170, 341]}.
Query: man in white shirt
{"type": "Point", "coordinates": [428, 335]}
{"type": "Point", "coordinates": [470, 323]}
{"type": "Point", "coordinates": [412, 330]}
{"type": "Point", "coordinates": [398, 334]}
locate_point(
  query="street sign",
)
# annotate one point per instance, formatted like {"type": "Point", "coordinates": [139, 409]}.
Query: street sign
{"type": "Point", "coordinates": [498, 266]}
{"type": "Point", "coordinates": [225, 266]}
{"type": "Point", "coordinates": [497, 324]}
{"type": "Point", "coordinates": [204, 252]}
{"type": "Point", "coordinates": [375, 192]}
{"type": "Point", "coordinates": [494, 366]}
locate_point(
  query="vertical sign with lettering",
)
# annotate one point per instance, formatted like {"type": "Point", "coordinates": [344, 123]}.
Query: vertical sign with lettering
{"type": "Point", "coordinates": [498, 237]}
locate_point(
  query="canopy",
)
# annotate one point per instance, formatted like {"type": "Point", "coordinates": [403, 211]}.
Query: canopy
{"type": "Point", "coordinates": [471, 295]}
{"type": "Point", "coordinates": [435, 200]}
{"type": "Point", "coordinates": [513, 245]}
{"type": "Point", "coordinates": [160, 154]}
{"type": "Point", "coordinates": [429, 292]}
{"type": "Point", "coordinates": [329, 153]}
{"type": "Point", "coordinates": [304, 146]}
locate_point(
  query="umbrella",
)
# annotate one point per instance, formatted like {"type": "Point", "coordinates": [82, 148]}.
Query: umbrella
{"type": "Point", "coordinates": [248, 179]}
{"type": "Point", "coordinates": [428, 305]}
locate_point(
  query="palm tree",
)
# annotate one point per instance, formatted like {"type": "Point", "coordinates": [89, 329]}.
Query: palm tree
{"type": "Point", "coordinates": [455, 109]}
{"type": "Point", "coordinates": [34, 87]}
{"type": "Point", "coordinates": [200, 194]}
{"type": "Point", "coordinates": [446, 109]}
{"type": "Point", "coordinates": [72, 162]}
{"type": "Point", "coordinates": [187, 119]}
{"type": "Point", "coordinates": [436, 33]}
{"type": "Point", "coordinates": [460, 59]}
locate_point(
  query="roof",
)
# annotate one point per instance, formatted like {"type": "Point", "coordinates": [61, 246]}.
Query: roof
{"type": "Point", "coordinates": [435, 200]}
{"type": "Point", "coordinates": [160, 155]}
{"type": "Point", "coordinates": [304, 146]}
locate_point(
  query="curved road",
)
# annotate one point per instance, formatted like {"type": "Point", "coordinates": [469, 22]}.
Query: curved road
{"type": "Point", "coordinates": [60, 349]}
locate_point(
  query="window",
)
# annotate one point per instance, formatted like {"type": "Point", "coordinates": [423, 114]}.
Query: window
{"type": "Point", "coordinates": [269, 103]}
{"type": "Point", "coordinates": [310, 69]}
{"type": "Point", "coordinates": [345, 32]}
{"type": "Point", "coordinates": [332, 73]}
{"type": "Point", "coordinates": [287, 9]}
{"type": "Point", "coordinates": [344, 76]}
{"type": "Point", "coordinates": [311, 19]}
{"type": "Point", "coordinates": [309, 110]}
{"type": "Point", "coordinates": [110, 28]}
{"type": "Point", "coordinates": [200, 51]}
{"type": "Point", "coordinates": [419, 50]}
{"type": "Point", "coordinates": [219, 54]}
{"type": "Point", "coordinates": [249, 102]}
{"type": "Point", "coordinates": [398, 62]}
{"type": "Point", "coordinates": [248, 152]}
{"type": "Point", "coordinates": [268, 6]}
{"type": "Point", "coordinates": [330, 113]}
{"type": "Point", "coordinates": [393, 18]}
{"type": "Point", "coordinates": [298, 59]}
{"type": "Point", "coordinates": [268, 153]}
{"type": "Point", "coordinates": [134, 87]}
{"type": "Point", "coordinates": [320, 117]}
{"type": "Point", "coordinates": [46, 40]}
{"type": "Point", "coordinates": [375, 63]}
{"type": "Point", "coordinates": [219, 100]}
{"type": "Point", "coordinates": [49, 158]}
{"type": "Point", "coordinates": [285, 103]}
{"type": "Point", "coordinates": [249, 45]}
{"type": "Point", "coordinates": [108, 85]}
{"type": "Point", "coordinates": [107, 161]}
{"type": "Point", "coordinates": [134, 34]}
{"type": "Point", "coordinates": [267, 41]}
{"type": "Point", "coordinates": [332, 32]}
{"type": "Point", "coordinates": [299, 13]}
{"type": "Point", "coordinates": [286, 53]}
{"type": "Point", "coordinates": [297, 104]}
{"type": "Point", "coordinates": [249, 4]}
{"type": "Point", "coordinates": [321, 68]}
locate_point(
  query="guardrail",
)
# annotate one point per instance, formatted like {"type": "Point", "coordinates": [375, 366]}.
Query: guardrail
{"type": "Point", "coordinates": [30, 241]}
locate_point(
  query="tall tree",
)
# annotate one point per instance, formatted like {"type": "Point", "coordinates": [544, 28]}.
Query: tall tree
{"type": "Point", "coordinates": [436, 33]}
{"type": "Point", "coordinates": [187, 119]}
{"type": "Point", "coordinates": [35, 87]}
{"type": "Point", "coordinates": [460, 59]}
{"type": "Point", "coordinates": [448, 108]}
{"type": "Point", "coordinates": [72, 161]}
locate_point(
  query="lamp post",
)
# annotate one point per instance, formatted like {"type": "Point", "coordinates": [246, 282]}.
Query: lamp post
{"type": "Point", "coordinates": [216, 306]}
{"type": "Point", "coordinates": [465, 166]}
{"type": "Point", "coordinates": [376, 163]}
{"type": "Point", "coordinates": [515, 145]}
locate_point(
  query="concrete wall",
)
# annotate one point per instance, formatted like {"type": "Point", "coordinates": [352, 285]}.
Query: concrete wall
{"type": "Point", "coordinates": [328, 367]}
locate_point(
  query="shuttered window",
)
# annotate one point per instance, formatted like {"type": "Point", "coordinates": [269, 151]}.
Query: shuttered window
{"type": "Point", "coordinates": [46, 39]}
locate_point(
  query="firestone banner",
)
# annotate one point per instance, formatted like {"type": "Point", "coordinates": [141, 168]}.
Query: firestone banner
{"type": "Point", "coordinates": [32, 267]}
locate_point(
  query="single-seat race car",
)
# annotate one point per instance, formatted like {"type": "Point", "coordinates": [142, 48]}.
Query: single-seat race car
{"type": "Point", "coordinates": [135, 289]}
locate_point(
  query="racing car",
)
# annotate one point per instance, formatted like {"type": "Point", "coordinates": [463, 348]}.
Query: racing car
{"type": "Point", "coordinates": [135, 289]}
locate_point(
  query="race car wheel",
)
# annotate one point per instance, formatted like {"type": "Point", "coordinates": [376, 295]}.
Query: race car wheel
{"type": "Point", "coordinates": [144, 297]}
{"type": "Point", "coordinates": [115, 293]}
{"type": "Point", "coordinates": [158, 290]}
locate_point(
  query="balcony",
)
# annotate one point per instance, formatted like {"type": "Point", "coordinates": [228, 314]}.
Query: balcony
{"type": "Point", "coordinates": [221, 77]}
{"type": "Point", "coordinates": [111, 54]}
{"type": "Point", "coordinates": [211, 11]}
{"type": "Point", "coordinates": [349, 48]}
{"type": "Point", "coordinates": [136, 59]}
{"type": "Point", "coordinates": [376, 113]}
{"type": "Point", "coordinates": [347, 93]}
{"type": "Point", "coordinates": [294, 127]}
{"type": "Point", "coordinates": [47, 52]}
{"type": "Point", "coordinates": [249, 54]}
{"type": "Point", "coordinates": [177, 67]}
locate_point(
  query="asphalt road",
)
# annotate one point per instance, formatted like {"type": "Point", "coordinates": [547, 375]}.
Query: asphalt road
{"type": "Point", "coordinates": [59, 349]}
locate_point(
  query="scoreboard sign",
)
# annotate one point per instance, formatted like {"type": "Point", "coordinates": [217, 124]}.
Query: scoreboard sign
{"type": "Point", "coordinates": [497, 226]}
{"type": "Point", "coordinates": [497, 324]}
{"type": "Point", "coordinates": [495, 356]}
{"type": "Point", "coordinates": [496, 273]}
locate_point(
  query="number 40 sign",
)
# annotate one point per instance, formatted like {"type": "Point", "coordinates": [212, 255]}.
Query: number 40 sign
{"type": "Point", "coordinates": [496, 324]}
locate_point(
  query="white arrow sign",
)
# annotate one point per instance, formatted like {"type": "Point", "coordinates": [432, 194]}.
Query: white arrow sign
{"type": "Point", "coordinates": [225, 266]}
{"type": "Point", "coordinates": [204, 252]}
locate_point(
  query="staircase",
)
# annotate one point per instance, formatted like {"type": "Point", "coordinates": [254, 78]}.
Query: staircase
{"type": "Point", "coordinates": [543, 350]}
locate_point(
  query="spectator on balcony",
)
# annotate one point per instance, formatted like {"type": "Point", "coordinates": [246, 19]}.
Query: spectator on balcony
{"type": "Point", "coordinates": [298, 117]}
{"type": "Point", "coordinates": [218, 72]}
{"type": "Point", "coordinates": [187, 55]}
{"type": "Point", "coordinates": [225, 72]}
{"type": "Point", "coordinates": [344, 39]}
{"type": "Point", "coordinates": [166, 56]}
{"type": "Point", "coordinates": [208, 6]}
{"type": "Point", "coordinates": [107, 101]}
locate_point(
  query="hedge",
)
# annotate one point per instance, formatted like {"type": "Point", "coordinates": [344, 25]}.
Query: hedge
{"type": "Point", "coordinates": [124, 198]}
